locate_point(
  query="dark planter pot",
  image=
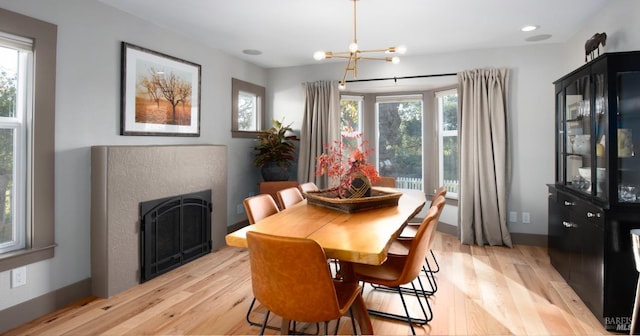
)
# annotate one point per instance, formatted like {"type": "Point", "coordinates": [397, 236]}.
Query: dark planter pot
{"type": "Point", "coordinates": [273, 172]}
{"type": "Point", "coordinates": [360, 187]}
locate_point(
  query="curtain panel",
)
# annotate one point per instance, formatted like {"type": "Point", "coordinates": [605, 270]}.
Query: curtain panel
{"type": "Point", "coordinates": [484, 157]}
{"type": "Point", "coordinates": [320, 126]}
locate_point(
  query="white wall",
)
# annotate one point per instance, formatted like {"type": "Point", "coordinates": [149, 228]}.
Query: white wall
{"type": "Point", "coordinates": [88, 113]}
{"type": "Point", "coordinates": [533, 69]}
{"type": "Point", "coordinates": [619, 19]}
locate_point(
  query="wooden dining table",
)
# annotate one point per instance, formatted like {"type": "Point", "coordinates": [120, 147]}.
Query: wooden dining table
{"type": "Point", "coordinates": [359, 237]}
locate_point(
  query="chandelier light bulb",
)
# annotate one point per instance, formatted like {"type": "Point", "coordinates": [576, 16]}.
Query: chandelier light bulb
{"type": "Point", "coordinates": [395, 60]}
{"type": "Point", "coordinates": [319, 55]}
{"type": "Point", "coordinates": [353, 47]}
{"type": "Point", "coordinates": [342, 86]}
{"type": "Point", "coordinates": [401, 49]}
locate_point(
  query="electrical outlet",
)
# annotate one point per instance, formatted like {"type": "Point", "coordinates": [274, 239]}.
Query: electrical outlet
{"type": "Point", "coordinates": [513, 216]}
{"type": "Point", "coordinates": [526, 218]}
{"type": "Point", "coordinates": [18, 277]}
{"type": "Point", "coordinates": [239, 209]}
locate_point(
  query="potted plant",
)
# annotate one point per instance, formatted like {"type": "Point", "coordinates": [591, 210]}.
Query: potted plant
{"type": "Point", "coordinates": [348, 168]}
{"type": "Point", "coordinates": [275, 152]}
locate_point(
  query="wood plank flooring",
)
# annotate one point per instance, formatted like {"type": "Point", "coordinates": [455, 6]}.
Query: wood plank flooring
{"type": "Point", "coordinates": [481, 291]}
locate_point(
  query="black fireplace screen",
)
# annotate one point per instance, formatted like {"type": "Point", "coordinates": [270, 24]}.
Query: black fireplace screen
{"type": "Point", "coordinates": [174, 231]}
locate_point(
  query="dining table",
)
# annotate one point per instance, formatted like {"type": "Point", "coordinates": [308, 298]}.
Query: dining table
{"type": "Point", "coordinates": [357, 237]}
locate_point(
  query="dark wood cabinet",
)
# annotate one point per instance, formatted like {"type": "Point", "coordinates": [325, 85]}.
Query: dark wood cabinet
{"type": "Point", "coordinates": [595, 200]}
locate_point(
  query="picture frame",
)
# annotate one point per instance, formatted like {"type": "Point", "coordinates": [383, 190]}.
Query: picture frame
{"type": "Point", "coordinates": [160, 94]}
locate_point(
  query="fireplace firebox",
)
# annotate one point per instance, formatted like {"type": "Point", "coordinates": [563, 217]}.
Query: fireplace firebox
{"type": "Point", "coordinates": [174, 231]}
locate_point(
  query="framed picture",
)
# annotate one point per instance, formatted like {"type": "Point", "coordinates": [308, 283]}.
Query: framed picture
{"type": "Point", "coordinates": [160, 94]}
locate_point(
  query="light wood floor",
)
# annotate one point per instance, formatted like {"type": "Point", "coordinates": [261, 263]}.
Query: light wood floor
{"type": "Point", "coordinates": [482, 291]}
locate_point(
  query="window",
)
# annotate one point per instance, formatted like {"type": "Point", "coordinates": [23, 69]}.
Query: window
{"type": "Point", "coordinates": [399, 145]}
{"type": "Point", "coordinates": [32, 148]}
{"type": "Point", "coordinates": [447, 110]}
{"type": "Point", "coordinates": [350, 119]}
{"type": "Point", "coordinates": [247, 109]}
{"type": "Point", "coordinates": [16, 60]}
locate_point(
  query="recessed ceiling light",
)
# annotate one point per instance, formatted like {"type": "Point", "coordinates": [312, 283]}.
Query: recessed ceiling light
{"type": "Point", "coordinates": [529, 28]}
{"type": "Point", "coordinates": [252, 52]}
{"type": "Point", "coordinates": [536, 38]}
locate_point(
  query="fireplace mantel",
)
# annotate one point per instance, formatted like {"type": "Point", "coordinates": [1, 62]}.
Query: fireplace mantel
{"type": "Point", "coordinates": [124, 176]}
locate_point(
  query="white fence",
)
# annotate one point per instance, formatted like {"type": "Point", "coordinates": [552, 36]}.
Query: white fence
{"type": "Point", "coordinates": [409, 183]}
{"type": "Point", "coordinates": [453, 186]}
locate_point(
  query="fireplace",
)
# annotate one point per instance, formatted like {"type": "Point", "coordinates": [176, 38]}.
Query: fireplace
{"type": "Point", "coordinates": [122, 177]}
{"type": "Point", "coordinates": [174, 231]}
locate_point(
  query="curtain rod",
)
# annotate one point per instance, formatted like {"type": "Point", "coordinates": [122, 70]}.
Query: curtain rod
{"type": "Point", "coordinates": [395, 79]}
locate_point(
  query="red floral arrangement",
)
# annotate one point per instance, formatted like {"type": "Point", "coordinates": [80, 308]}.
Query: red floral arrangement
{"type": "Point", "coordinates": [343, 163]}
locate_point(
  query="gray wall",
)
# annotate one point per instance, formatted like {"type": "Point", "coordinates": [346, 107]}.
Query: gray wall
{"type": "Point", "coordinates": [88, 114]}
{"type": "Point", "coordinates": [87, 107]}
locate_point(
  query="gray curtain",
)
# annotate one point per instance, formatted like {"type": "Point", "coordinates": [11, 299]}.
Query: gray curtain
{"type": "Point", "coordinates": [484, 157]}
{"type": "Point", "coordinates": [320, 126]}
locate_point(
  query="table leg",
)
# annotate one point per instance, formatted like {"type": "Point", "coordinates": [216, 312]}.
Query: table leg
{"type": "Point", "coordinates": [360, 313]}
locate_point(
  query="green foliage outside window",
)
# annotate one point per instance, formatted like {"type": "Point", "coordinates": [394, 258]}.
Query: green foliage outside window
{"type": "Point", "coordinates": [7, 109]}
{"type": "Point", "coordinates": [400, 139]}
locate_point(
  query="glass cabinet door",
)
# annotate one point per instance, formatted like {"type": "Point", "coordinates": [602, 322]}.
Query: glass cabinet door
{"type": "Point", "coordinates": [561, 151]}
{"type": "Point", "coordinates": [601, 123]}
{"type": "Point", "coordinates": [628, 135]}
{"type": "Point", "coordinates": [578, 128]}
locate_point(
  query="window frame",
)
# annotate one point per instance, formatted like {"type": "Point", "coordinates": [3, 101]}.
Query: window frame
{"type": "Point", "coordinates": [402, 97]}
{"type": "Point", "coordinates": [429, 129]}
{"type": "Point", "coordinates": [237, 86]}
{"type": "Point", "coordinates": [18, 123]}
{"type": "Point", "coordinates": [442, 133]}
{"type": "Point", "coordinates": [40, 214]}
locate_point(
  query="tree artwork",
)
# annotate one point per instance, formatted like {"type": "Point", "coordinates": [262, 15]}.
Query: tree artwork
{"type": "Point", "coordinates": [163, 98]}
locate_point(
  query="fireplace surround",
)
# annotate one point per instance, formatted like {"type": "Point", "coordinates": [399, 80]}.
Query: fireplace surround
{"type": "Point", "coordinates": [124, 176]}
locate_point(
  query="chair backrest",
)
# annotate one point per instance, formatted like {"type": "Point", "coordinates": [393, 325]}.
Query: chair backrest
{"type": "Point", "coordinates": [290, 277]}
{"type": "Point", "coordinates": [259, 207]}
{"type": "Point", "coordinates": [442, 191]}
{"type": "Point", "coordinates": [421, 242]}
{"type": "Point", "coordinates": [439, 203]}
{"type": "Point", "coordinates": [386, 181]}
{"type": "Point", "coordinates": [308, 186]}
{"type": "Point", "coordinates": [288, 197]}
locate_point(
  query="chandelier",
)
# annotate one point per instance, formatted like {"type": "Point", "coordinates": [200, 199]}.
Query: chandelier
{"type": "Point", "coordinates": [354, 54]}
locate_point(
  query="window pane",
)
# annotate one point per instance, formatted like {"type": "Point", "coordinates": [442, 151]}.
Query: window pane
{"type": "Point", "coordinates": [448, 142]}
{"type": "Point", "coordinates": [400, 142]}
{"type": "Point", "coordinates": [247, 111]}
{"type": "Point", "coordinates": [7, 231]}
{"type": "Point", "coordinates": [450, 113]}
{"type": "Point", "coordinates": [350, 121]}
{"type": "Point", "coordinates": [450, 163]}
{"type": "Point", "coordinates": [8, 86]}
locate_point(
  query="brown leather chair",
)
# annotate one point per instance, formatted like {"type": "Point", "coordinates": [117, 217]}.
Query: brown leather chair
{"type": "Point", "coordinates": [259, 207]}
{"type": "Point", "coordinates": [290, 277]}
{"type": "Point", "coordinates": [401, 246]}
{"type": "Point", "coordinates": [400, 270]}
{"type": "Point", "coordinates": [289, 197]}
{"type": "Point", "coordinates": [306, 187]}
{"type": "Point", "coordinates": [410, 231]}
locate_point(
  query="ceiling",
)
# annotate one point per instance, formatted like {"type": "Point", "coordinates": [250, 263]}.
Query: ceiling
{"type": "Point", "coordinates": [288, 32]}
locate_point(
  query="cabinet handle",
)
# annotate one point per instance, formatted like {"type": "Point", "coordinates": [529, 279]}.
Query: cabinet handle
{"type": "Point", "coordinates": [569, 224]}
{"type": "Point", "coordinates": [591, 214]}
{"type": "Point", "coordinates": [567, 203]}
